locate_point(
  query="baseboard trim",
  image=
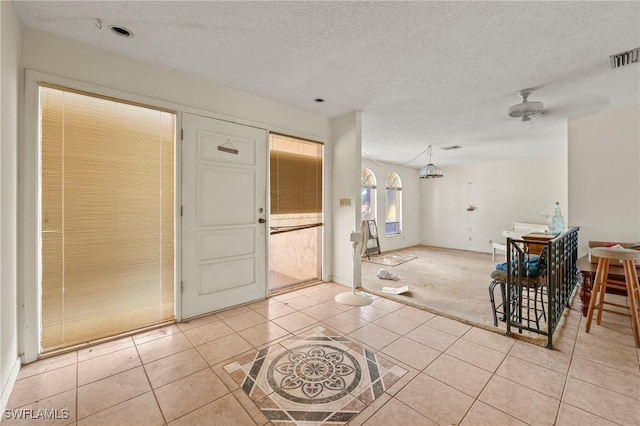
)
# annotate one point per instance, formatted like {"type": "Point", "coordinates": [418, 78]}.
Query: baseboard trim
{"type": "Point", "coordinates": [8, 386]}
{"type": "Point", "coordinates": [341, 281]}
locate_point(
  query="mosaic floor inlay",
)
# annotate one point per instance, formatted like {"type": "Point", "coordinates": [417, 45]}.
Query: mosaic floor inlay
{"type": "Point", "coordinates": [314, 378]}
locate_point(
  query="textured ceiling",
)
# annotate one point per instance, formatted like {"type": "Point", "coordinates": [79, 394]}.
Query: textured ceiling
{"type": "Point", "coordinates": [422, 73]}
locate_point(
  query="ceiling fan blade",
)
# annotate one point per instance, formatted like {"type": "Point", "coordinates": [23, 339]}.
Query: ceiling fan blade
{"type": "Point", "coordinates": [581, 104]}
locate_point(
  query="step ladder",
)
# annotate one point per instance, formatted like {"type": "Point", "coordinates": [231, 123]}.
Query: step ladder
{"type": "Point", "coordinates": [370, 233]}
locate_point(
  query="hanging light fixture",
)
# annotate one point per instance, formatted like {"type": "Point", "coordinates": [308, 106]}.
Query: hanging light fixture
{"type": "Point", "coordinates": [525, 110]}
{"type": "Point", "coordinates": [430, 171]}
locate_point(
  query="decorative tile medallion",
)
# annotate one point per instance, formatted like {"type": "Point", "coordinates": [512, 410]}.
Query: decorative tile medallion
{"type": "Point", "coordinates": [314, 378]}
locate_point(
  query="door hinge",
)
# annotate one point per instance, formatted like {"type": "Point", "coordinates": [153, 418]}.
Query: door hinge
{"type": "Point", "coordinates": [181, 211]}
{"type": "Point", "coordinates": [181, 286]}
{"type": "Point", "coordinates": [181, 134]}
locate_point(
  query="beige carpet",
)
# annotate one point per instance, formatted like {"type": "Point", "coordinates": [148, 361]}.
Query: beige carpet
{"type": "Point", "coordinates": [388, 259]}
{"type": "Point", "coordinates": [445, 281]}
{"type": "Point", "coordinates": [448, 282]}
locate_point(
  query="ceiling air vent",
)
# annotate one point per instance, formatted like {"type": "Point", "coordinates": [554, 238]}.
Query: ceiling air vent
{"type": "Point", "coordinates": [449, 148]}
{"type": "Point", "coordinates": [625, 58]}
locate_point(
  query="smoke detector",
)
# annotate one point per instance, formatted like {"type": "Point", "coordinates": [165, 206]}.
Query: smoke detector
{"type": "Point", "coordinates": [525, 109]}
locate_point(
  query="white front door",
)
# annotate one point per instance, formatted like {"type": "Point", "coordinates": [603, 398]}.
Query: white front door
{"type": "Point", "coordinates": [224, 210]}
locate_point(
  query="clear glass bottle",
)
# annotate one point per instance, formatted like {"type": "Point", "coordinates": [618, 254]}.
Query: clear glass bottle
{"type": "Point", "coordinates": [557, 220]}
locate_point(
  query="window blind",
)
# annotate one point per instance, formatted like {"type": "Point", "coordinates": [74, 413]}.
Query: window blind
{"type": "Point", "coordinates": [296, 183]}
{"type": "Point", "coordinates": [107, 188]}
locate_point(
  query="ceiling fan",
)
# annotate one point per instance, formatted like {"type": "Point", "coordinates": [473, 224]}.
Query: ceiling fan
{"type": "Point", "coordinates": [525, 109]}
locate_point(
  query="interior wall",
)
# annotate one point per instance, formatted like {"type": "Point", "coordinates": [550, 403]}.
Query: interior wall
{"type": "Point", "coordinates": [346, 140]}
{"type": "Point", "coordinates": [604, 176]}
{"type": "Point", "coordinates": [411, 224]}
{"type": "Point", "coordinates": [9, 84]}
{"type": "Point", "coordinates": [501, 192]}
{"type": "Point", "coordinates": [71, 62]}
{"type": "Point", "coordinates": [48, 53]}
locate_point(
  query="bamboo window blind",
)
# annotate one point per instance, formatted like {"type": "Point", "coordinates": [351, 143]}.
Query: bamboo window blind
{"type": "Point", "coordinates": [107, 211]}
{"type": "Point", "coordinates": [296, 183]}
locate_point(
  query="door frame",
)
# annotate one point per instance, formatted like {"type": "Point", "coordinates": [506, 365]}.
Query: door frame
{"type": "Point", "coordinates": [221, 165]}
{"type": "Point", "coordinates": [326, 218]}
{"type": "Point", "coordinates": [29, 195]}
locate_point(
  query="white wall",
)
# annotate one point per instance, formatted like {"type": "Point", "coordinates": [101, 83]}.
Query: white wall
{"type": "Point", "coordinates": [604, 176]}
{"type": "Point", "coordinates": [70, 62]}
{"type": "Point", "coordinates": [9, 84]}
{"type": "Point", "coordinates": [346, 137]}
{"type": "Point", "coordinates": [411, 205]}
{"type": "Point", "coordinates": [48, 53]}
{"type": "Point", "coordinates": [503, 192]}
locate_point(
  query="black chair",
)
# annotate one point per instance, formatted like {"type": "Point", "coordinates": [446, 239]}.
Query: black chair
{"type": "Point", "coordinates": [527, 290]}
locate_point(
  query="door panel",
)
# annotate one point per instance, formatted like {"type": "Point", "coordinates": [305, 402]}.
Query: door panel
{"type": "Point", "coordinates": [227, 243]}
{"type": "Point", "coordinates": [223, 198]}
{"type": "Point", "coordinates": [232, 188]}
{"type": "Point", "coordinates": [226, 275]}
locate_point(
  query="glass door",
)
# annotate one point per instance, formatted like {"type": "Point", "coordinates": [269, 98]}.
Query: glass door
{"type": "Point", "coordinates": [295, 219]}
{"type": "Point", "coordinates": [107, 179]}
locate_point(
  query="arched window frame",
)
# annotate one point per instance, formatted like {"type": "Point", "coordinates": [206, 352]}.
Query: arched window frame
{"type": "Point", "coordinates": [368, 194]}
{"type": "Point", "coordinates": [393, 211]}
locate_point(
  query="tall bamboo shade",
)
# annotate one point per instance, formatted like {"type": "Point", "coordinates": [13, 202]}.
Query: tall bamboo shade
{"type": "Point", "coordinates": [296, 181]}
{"type": "Point", "coordinates": [107, 185]}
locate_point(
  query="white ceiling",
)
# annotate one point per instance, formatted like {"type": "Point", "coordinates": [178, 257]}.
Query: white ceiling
{"type": "Point", "coordinates": [422, 73]}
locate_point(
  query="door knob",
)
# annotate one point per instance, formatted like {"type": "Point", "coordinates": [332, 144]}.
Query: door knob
{"type": "Point", "coordinates": [261, 220]}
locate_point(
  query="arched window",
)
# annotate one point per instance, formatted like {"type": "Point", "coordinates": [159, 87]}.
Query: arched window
{"type": "Point", "coordinates": [368, 194]}
{"type": "Point", "coordinates": [393, 219]}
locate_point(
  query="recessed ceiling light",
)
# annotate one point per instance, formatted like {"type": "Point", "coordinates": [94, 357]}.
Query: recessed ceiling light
{"type": "Point", "coordinates": [319, 100]}
{"type": "Point", "coordinates": [121, 31]}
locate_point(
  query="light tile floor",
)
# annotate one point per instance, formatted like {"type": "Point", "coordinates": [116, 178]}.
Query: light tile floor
{"type": "Point", "coordinates": [456, 374]}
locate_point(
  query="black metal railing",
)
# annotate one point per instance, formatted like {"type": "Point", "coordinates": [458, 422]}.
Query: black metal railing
{"type": "Point", "coordinates": [541, 276]}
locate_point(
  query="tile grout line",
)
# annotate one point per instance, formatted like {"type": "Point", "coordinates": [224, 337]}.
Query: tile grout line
{"type": "Point", "coordinates": [229, 391]}
{"type": "Point", "coordinates": [153, 391]}
{"type": "Point", "coordinates": [303, 334]}
{"type": "Point", "coordinates": [566, 377]}
{"type": "Point", "coordinates": [119, 403]}
{"type": "Point", "coordinates": [320, 323]}
{"type": "Point", "coordinates": [245, 409]}
{"type": "Point", "coordinates": [493, 375]}
{"type": "Point", "coordinates": [591, 413]}
{"type": "Point", "coordinates": [475, 399]}
{"type": "Point", "coordinates": [77, 388]}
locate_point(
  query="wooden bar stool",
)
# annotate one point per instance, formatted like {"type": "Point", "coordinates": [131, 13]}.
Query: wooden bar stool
{"type": "Point", "coordinates": [630, 284]}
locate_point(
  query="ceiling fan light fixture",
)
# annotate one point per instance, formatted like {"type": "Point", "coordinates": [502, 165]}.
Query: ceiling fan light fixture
{"type": "Point", "coordinates": [525, 109]}
{"type": "Point", "coordinates": [430, 171]}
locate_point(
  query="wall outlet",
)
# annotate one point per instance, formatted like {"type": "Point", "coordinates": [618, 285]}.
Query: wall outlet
{"type": "Point", "coordinates": [490, 241]}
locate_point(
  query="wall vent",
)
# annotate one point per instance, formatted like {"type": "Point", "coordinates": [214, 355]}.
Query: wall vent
{"type": "Point", "coordinates": [449, 148]}
{"type": "Point", "coordinates": [625, 58]}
